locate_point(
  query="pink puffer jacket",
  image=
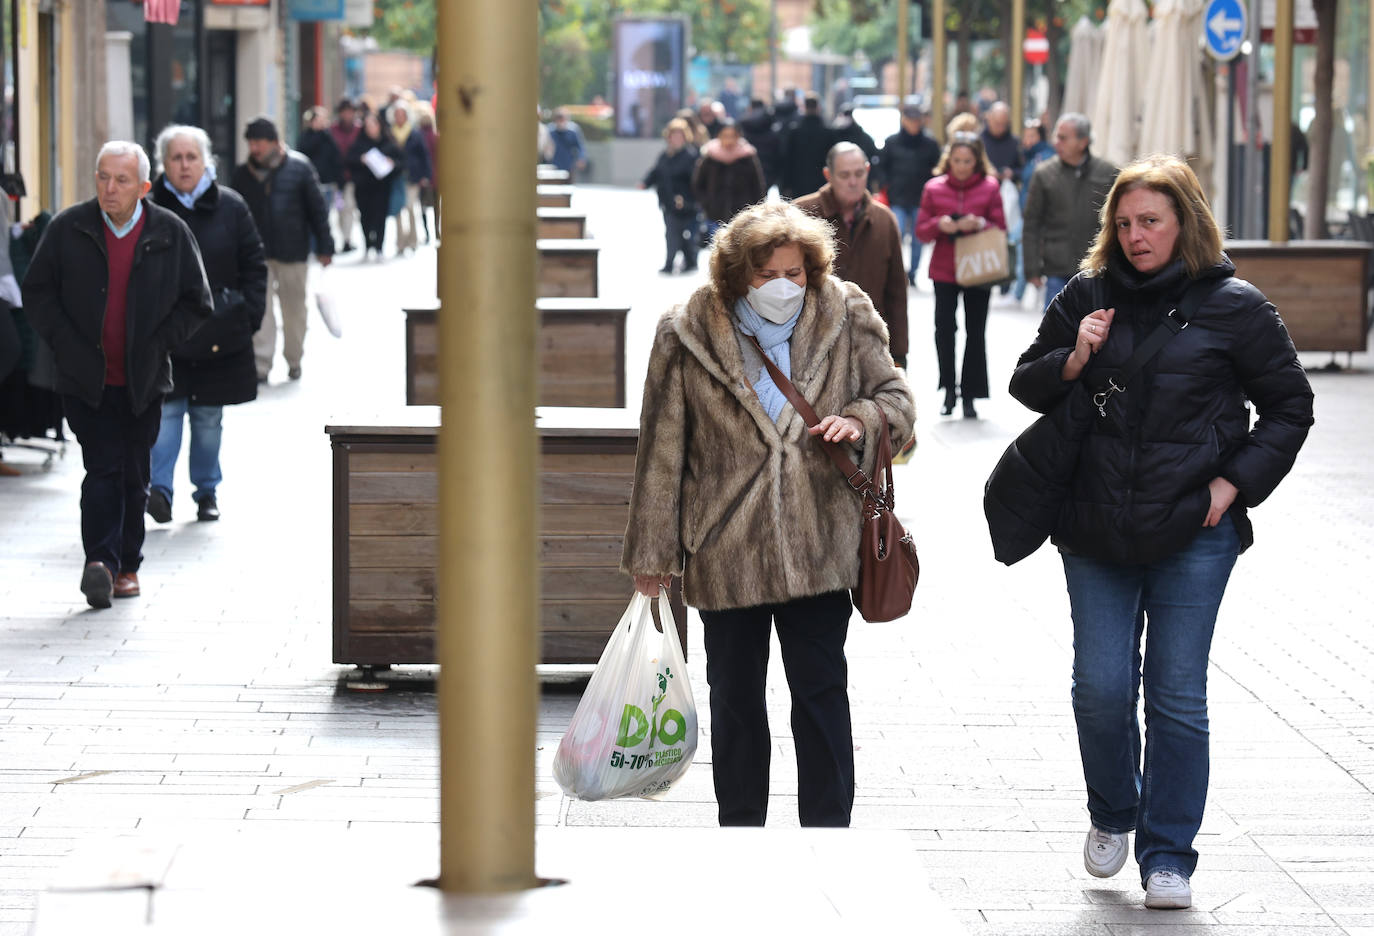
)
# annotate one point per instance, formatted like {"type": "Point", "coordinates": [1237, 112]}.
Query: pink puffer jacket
{"type": "Point", "coordinates": [944, 195]}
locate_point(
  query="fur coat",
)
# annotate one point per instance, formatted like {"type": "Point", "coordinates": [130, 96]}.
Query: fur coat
{"type": "Point", "coordinates": [747, 511]}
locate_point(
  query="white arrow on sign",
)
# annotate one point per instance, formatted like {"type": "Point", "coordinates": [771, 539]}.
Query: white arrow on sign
{"type": "Point", "coordinates": [1222, 25]}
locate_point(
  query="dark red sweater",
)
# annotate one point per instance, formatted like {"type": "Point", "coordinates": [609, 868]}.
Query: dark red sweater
{"type": "Point", "coordinates": [120, 251]}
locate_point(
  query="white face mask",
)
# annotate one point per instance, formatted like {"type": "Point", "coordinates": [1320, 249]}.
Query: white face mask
{"type": "Point", "coordinates": [777, 300]}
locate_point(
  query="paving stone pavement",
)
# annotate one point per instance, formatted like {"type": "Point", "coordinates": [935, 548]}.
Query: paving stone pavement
{"type": "Point", "coordinates": [210, 704]}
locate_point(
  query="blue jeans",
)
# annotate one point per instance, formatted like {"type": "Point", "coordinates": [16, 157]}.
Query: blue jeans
{"type": "Point", "coordinates": [205, 439]}
{"type": "Point", "coordinates": [907, 219]}
{"type": "Point", "coordinates": [1054, 285]}
{"type": "Point", "coordinates": [1176, 600]}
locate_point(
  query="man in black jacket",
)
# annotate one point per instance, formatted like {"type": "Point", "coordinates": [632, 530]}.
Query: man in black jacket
{"type": "Point", "coordinates": [283, 193]}
{"type": "Point", "coordinates": [904, 166]}
{"type": "Point", "coordinates": [804, 148]}
{"type": "Point", "coordinates": [115, 283]}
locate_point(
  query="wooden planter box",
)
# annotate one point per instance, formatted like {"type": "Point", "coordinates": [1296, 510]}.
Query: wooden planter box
{"type": "Point", "coordinates": [1317, 286]}
{"type": "Point", "coordinates": [554, 196]}
{"type": "Point", "coordinates": [552, 175]}
{"type": "Point", "coordinates": [581, 346]}
{"type": "Point", "coordinates": [561, 224]}
{"type": "Point", "coordinates": [568, 268]}
{"type": "Point", "coordinates": [386, 525]}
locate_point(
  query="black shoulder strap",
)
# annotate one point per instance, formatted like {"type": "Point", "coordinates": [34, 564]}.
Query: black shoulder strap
{"type": "Point", "coordinates": [1177, 320]}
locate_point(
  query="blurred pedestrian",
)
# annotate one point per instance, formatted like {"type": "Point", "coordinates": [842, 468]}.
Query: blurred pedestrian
{"type": "Point", "coordinates": [963, 198]}
{"type": "Point", "coordinates": [344, 130]}
{"type": "Point", "coordinates": [569, 149]}
{"type": "Point", "coordinates": [374, 162]}
{"type": "Point", "coordinates": [1004, 152]}
{"type": "Point", "coordinates": [671, 177]}
{"type": "Point", "coordinates": [868, 243]}
{"type": "Point", "coordinates": [316, 142]}
{"type": "Point", "coordinates": [733, 493]}
{"type": "Point", "coordinates": [1157, 505]}
{"type": "Point", "coordinates": [1035, 149]}
{"type": "Point", "coordinates": [429, 190]}
{"type": "Point", "coordinates": [804, 147]}
{"type": "Point", "coordinates": [216, 366]}
{"type": "Point", "coordinates": [545, 139]}
{"type": "Point", "coordinates": [728, 177]}
{"type": "Point", "coordinates": [963, 123]}
{"type": "Point", "coordinates": [111, 353]}
{"type": "Point", "coordinates": [757, 126]}
{"type": "Point", "coordinates": [905, 164]}
{"type": "Point", "coordinates": [1063, 206]}
{"type": "Point", "coordinates": [733, 100]}
{"type": "Point", "coordinates": [282, 192]}
{"type": "Point", "coordinates": [418, 174]}
{"type": "Point", "coordinates": [712, 116]}
{"type": "Point", "coordinates": [848, 130]}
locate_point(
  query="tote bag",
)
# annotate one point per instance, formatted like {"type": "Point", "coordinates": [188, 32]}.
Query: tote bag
{"type": "Point", "coordinates": [980, 259]}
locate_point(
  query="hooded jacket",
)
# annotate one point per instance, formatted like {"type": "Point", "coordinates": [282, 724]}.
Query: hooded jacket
{"type": "Point", "coordinates": [945, 195]}
{"type": "Point", "coordinates": [1140, 489]}
{"type": "Point", "coordinates": [65, 292]}
{"type": "Point", "coordinates": [726, 180]}
{"type": "Point", "coordinates": [746, 510]}
{"type": "Point", "coordinates": [870, 255]}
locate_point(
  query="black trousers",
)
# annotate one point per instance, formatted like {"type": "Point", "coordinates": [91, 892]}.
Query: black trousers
{"type": "Point", "coordinates": [681, 234]}
{"type": "Point", "coordinates": [116, 446]}
{"type": "Point", "coordinates": [811, 632]}
{"type": "Point", "coordinates": [973, 382]}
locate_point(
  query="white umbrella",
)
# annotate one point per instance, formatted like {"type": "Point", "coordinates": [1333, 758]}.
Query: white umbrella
{"type": "Point", "coordinates": [1175, 118]}
{"type": "Point", "coordinates": [1085, 63]}
{"type": "Point", "coordinates": [1125, 71]}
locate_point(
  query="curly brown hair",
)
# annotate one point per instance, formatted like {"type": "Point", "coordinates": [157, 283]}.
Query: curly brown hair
{"type": "Point", "coordinates": [745, 244]}
{"type": "Point", "coordinates": [1199, 237]}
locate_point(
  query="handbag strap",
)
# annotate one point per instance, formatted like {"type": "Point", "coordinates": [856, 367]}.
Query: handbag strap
{"type": "Point", "coordinates": [1173, 323]}
{"type": "Point", "coordinates": [857, 478]}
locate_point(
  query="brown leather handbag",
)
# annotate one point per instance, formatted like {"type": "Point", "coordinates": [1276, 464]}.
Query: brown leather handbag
{"type": "Point", "coordinates": [888, 566]}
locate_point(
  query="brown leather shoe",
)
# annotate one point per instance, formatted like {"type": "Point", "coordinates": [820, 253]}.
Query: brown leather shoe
{"type": "Point", "coordinates": [126, 585]}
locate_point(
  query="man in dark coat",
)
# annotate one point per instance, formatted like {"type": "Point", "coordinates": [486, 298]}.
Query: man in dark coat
{"type": "Point", "coordinates": [344, 130]}
{"type": "Point", "coordinates": [905, 164]}
{"type": "Point", "coordinates": [115, 283]}
{"type": "Point", "coordinates": [215, 368]}
{"type": "Point", "coordinates": [868, 244]}
{"type": "Point", "coordinates": [758, 127]}
{"type": "Point", "coordinates": [804, 148]}
{"type": "Point", "coordinates": [283, 193]}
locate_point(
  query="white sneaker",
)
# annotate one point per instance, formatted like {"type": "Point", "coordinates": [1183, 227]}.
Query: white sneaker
{"type": "Point", "coordinates": [1168, 890]}
{"type": "Point", "coordinates": [1104, 853]}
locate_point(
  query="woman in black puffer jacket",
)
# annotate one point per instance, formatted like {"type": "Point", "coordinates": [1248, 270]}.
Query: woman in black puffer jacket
{"type": "Point", "coordinates": [1157, 510]}
{"type": "Point", "coordinates": [215, 367]}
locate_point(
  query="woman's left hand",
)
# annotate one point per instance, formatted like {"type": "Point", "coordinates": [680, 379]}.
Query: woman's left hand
{"type": "Point", "coordinates": [838, 429]}
{"type": "Point", "coordinates": [1223, 496]}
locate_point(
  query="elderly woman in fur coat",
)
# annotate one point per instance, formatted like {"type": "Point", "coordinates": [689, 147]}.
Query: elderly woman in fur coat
{"type": "Point", "coordinates": [734, 493]}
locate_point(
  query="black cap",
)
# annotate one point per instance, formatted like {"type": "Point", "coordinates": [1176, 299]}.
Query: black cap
{"type": "Point", "coordinates": [261, 129]}
{"type": "Point", "coordinates": [913, 111]}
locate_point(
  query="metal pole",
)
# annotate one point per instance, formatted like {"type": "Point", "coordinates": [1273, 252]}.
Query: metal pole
{"type": "Point", "coordinates": [937, 78]}
{"type": "Point", "coordinates": [903, 38]}
{"type": "Point", "coordinates": [1018, 66]}
{"type": "Point", "coordinates": [1254, 166]}
{"type": "Point", "coordinates": [1280, 149]}
{"type": "Point", "coordinates": [487, 601]}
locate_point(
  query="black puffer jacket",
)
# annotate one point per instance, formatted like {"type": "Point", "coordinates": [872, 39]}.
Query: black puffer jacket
{"type": "Point", "coordinates": [216, 367]}
{"type": "Point", "coordinates": [671, 177]}
{"type": "Point", "coordinates": [1140, 489]}
{"type": "Point", "coordinates": [64, 296]}
{"type": "Point", "coordinates": [287, 208]}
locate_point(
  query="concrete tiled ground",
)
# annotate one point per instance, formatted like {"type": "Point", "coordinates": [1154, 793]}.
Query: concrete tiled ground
{"type": "Point", "coordinates": [209, 704]}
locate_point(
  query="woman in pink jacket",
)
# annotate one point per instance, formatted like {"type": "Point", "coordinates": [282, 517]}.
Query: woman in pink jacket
{"type": "Point", "coordinates": [963, 198]}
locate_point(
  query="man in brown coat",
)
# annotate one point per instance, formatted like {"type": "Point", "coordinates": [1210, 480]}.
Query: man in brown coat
{"type": "Point", "coordinates": [867, 237]}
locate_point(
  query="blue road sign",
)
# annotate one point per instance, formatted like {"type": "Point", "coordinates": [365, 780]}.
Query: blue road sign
{"type": "Point", "coordinates": [1223, 26]}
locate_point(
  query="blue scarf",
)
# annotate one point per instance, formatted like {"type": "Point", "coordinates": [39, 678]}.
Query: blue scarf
{"type": "Point", "coordinates": [776, 342]}
{"type": "Point", "coordinates": [189, 198]}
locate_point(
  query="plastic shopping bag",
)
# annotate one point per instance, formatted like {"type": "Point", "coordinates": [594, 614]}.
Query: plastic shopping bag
{"type": "Point", "coordinates": [1011, 204]}
{"type": "Point", "coordinates": [635, 731]}
{"type": "Point", "coordinates": [324, 301]}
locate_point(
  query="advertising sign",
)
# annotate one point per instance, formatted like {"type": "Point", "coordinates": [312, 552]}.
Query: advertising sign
{"type": "Point", "coordinates": [313, 11]}
{"type": "Point", "coordinates": [650, 74]}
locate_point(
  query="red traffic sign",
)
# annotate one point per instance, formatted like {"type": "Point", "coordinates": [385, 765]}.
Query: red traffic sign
{"type": "Point", "coordinates": [1036, 47]}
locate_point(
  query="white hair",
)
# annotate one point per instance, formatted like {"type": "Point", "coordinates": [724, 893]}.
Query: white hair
{"type": "Point", "coordinates": [125, 148]}
{"type": "Point", "coordinates": [177, 131]}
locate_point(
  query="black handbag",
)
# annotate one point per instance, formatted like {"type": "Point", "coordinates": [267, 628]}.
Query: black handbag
{"type": "Point", "coordinates": [1027, 489]}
